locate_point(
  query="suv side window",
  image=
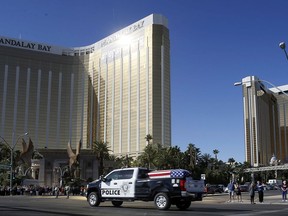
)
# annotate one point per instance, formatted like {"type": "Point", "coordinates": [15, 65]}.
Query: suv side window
{"type": "Point", "coordinates": [126, 174]}
{"type": "Point", "coordinates": [113, 176]}
{"type": "Point", "coordinates": [143, 173]}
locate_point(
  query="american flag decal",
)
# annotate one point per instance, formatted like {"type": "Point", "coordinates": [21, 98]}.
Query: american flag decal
{"type": "Point", "coordinates": [160, 174]}
{"type": "Point", "coordinates": [179, 173]}
{"type": "Point", "coordinates": [175, 173]}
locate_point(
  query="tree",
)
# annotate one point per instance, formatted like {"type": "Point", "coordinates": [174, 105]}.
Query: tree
{"type": "Point", "coordinates": [126, 161]}
{"type": "Point", "coordinates": [148, 138]}
{"type": "Point", "coordinates": [163, 158]}
{"type": "Point", "coordinates": [239, 170]}
{"type": "Point", "coordinates": [4, 153]}
{"type": "Point", "coordinates": [37, 155]}
{"type": "Point", "coordinates": [205, 160]}
{"type": "Point", "coordinates": [231, 168]}
{"type": "Point", "coordinates": [231, 161]}
{"type": "Point", "coordinates": [192, 152]}
{"type": "Point", "coordinates": [4, 159]}
{"type": "Point", "coordinates": [176, 157]}
{"type": "Point", "coordinates": [215, 152]}
{"type": "Point", "coordinates": [148, 157]}
{"type": "Point", "coordinates": [101, 150]}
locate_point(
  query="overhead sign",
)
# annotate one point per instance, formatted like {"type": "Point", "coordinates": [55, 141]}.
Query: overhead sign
{"type": "Point", "coordinates": [24, 44]}
{"type": "Point", "coordinates": [28, 45]}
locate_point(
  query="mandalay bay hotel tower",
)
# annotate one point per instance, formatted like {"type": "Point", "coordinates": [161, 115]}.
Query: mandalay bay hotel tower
{"type": "Point", "coordinates": [116, 90]}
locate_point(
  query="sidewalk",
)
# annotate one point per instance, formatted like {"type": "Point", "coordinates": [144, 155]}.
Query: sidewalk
{"type": "Point", "coordinates": [223, 198]}
{"type": "Point", "coordinates": [72, 197]}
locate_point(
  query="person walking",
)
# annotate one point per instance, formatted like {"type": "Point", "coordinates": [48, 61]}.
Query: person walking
{"type": "Point", "coordinates": [260, 189]}
{"type": "Point", "coordinates": [238, 192]}
{"type": "Point", "coordinates": [56, 190]}
{"type": "Point", "coordinates": [252, 192]}
{"type": "Point", "coordinates": [231, 189]}
{"type": "Point", "coordinates": [67, 190]}
{"type": "Point", "coordinates": [284, 191]}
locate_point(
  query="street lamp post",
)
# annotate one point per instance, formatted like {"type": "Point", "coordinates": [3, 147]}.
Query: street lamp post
{"type": "Point", "coordinates": [282, 45]}
{"type": "Point", "coordinates": [11, 157]}
{"type": "Point", "coordinates": [56, 169]}
{"type": "Point", "coordinates": [62, 172]}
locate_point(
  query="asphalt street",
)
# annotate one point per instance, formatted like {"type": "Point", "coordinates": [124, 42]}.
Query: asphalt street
{"type": "Point", "coordinates": [77, 206]}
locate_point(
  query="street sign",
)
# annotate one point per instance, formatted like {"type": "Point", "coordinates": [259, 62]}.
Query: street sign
{"type": "Point", "coordinates": [5, 166]}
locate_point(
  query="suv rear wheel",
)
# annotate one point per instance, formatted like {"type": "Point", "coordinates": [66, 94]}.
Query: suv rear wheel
{"type": "Point", "coordinates": [162, 201]}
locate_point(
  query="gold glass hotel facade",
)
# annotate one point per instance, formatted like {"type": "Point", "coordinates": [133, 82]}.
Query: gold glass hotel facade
{"type": "Point", "coordinates": [116, 90]}
{"type": "Point", "coordinates": [265, 121]}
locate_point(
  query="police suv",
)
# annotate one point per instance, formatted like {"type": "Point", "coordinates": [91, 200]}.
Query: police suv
{"type": "Point", "coordinates": [164, 187]}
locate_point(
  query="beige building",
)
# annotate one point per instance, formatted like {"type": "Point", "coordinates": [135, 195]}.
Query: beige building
{"type": "Point", "coordinates": [265, 121]}
{"type": "Point", "coordinates": [116, 90]}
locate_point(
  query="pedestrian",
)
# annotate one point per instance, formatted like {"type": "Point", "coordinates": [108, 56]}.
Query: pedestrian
{"type": "Point", "coordinates": [231, 189]}
{"type": "Point", "coordinates": [284, 191]}
{"type": "Point", "coordinates": [67, 190]}
{"type": "Point", "coordinates": [260, 189]}
{"type": "Point", "coordinates": [238, 192]}
{"type": "Point", "coordinates": [252, 192]}
{"type": "Point", "coordinates": [56, 190]}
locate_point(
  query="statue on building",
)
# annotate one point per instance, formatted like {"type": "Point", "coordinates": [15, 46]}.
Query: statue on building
{"type": "Point", "coordinates": [74, 159]}
{"type": "Point", "coordinates": [24, 160]}
{"type": "Point", "coordinates": [273, 160]}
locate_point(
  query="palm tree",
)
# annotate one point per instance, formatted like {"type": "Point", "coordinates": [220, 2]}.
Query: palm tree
{"type": "Point", "coordinates": [147, 158]}
{"type": "Point", "coordinates": [205, 159]}
{"type": "Point", "coordinates": [215, 152]}
{"type": "Point", "coordinates": [192, 152]}
{"type": "Point", "coordinates": [126, 160]}
{"type": "Point", "coordinates": [5, 152]}
{"type": "Point", "coordinates": [148, 138]}
{"type": "Point", "coordinates": [176, 157]}
{"type": "Point", "coordinates": [231, 167]}
{"type": "Point", "coordinates": [101, 150]}
{"type": "Point", "coordinates": [231, 161]}
{"type": "Point", "coordinates": [163, 158]}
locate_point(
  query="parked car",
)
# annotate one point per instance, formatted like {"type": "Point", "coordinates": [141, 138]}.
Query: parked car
{"type": "Point", "coordinates": [244, 188]}
{"type": "Point", "coordinates": [275, 187]}
{"type": "Point", "coordinates": [212, 189]}
{"type": "Point", "coordinates": [222, 186]}
{"type": "Point", "coordinates": [268, 187]}
{"type": "Point", "coordinates": [219, 189]}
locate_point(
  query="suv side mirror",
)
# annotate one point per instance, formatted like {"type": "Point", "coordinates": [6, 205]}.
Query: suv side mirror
{"type": "Point", "coordinates": [103, 178]}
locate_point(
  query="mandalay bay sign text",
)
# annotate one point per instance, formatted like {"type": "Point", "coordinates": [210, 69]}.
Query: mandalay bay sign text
{"type": "Point", "coordinates": [25, 45]}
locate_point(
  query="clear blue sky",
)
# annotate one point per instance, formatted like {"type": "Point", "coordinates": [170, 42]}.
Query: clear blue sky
{"type": "Point", "coordinates": [213, 44]}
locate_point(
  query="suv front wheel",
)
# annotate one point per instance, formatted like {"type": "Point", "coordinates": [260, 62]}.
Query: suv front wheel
{"type": "Point", "coordinates": [93, 199]}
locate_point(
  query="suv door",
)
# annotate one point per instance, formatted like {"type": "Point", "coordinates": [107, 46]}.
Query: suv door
{"type": "Point", "coordinates": [119, 183]}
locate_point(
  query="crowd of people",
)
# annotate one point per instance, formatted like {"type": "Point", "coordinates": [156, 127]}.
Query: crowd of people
{"type": "Point", "coordinates": [235, 190]}
{"type": "Point", "coordinates": [42, 191]}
